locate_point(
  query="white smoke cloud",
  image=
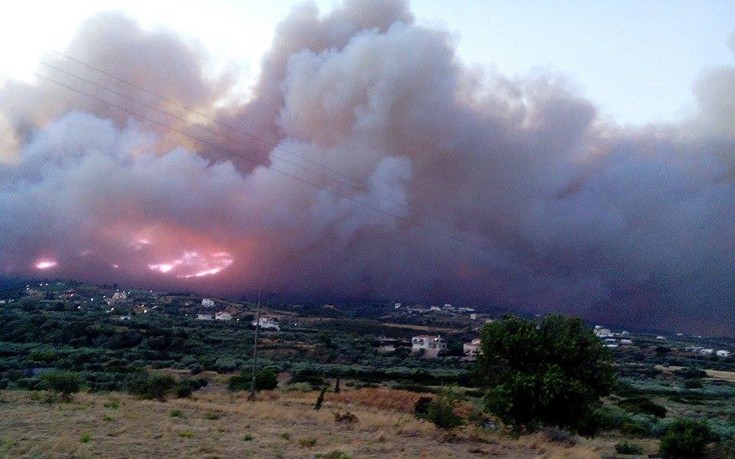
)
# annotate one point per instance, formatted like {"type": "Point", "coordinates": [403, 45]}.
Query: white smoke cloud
{"type": "Point", "coordinates": [370, 163]}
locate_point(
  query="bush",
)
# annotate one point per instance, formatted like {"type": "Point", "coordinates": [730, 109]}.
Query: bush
{"type": "Point", "coordinates": [265, 379]}
{"type": "Point", "coordinates": [559, 436]}
{"type": "Point", "coordinates": [628, 448]}
{"type": "Point", "coordinates": [152, 386]}
{"type": "Point", "coordinates": [642, 405]}
{"type": "Point", "coordinates": [685, 439]}
{"type": "Point", "coordinates": [690, 373]}
{"type": "Point", "coordinates": [440, 411]}
{"type": "Point", "coordinates": [63, 382]}
{"type": "Point", "coordinates": [693, 384]}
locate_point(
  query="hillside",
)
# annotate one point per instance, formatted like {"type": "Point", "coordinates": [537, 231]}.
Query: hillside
{"type": "Point", "coordinates": [217, 424]}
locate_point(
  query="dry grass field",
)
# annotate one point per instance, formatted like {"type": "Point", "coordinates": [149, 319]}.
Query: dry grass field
{"type": "Point", "coordinates": [217, 424]}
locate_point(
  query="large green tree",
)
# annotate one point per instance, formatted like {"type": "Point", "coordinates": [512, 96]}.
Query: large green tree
{"type": "Point", "coordinates": [552, 371]}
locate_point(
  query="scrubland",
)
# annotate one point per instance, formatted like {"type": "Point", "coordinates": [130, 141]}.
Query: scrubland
{"type": "Point", "coordinates": [217, 424]}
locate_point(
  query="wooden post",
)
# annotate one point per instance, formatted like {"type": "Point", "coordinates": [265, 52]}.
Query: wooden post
{"type": "Point", "coordinates": [251, 397]}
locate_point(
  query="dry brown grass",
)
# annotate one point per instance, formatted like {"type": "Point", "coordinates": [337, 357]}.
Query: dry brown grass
{"type": "Point", "coordinates": [217, 424]}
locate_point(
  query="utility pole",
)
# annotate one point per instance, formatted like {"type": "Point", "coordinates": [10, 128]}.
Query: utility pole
{"type": "Point", "coordinates": [251, 397]}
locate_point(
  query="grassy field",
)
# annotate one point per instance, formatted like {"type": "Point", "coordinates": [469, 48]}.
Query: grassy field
{"type": "Point", "coordinates": [218, 424]}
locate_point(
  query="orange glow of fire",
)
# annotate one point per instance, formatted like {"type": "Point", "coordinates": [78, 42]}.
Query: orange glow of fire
{"type": "Point", "coordinates": [194, 264]}
{"type": "Point", "coordinates": [46, 264]}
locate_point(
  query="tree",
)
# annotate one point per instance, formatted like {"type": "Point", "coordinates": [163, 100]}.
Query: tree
{"type": "Point", "coordinates": [547, 372]}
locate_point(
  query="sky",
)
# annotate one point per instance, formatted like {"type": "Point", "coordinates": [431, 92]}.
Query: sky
{"type": "Point", "coordinates": [636, 60]}
{"type": "Point", "coordinates": [535, 157]}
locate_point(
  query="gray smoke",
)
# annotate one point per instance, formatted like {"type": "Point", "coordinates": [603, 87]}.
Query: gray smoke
{"type": "Point", "coordinates": [416, 179]}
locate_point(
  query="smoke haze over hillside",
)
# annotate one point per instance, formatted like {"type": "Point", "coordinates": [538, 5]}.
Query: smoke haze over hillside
{"type": "Point", "coordinates": [493, 191]}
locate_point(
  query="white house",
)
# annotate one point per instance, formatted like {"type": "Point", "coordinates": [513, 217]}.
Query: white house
{"type": "Point", "coordinates": [429, 344]}
{"type": "Point", "coordinates": [207, 303]}
{"type": "Point", "coordinates": [267, 323]}
{"type": "Point", "coordinates": [472, 349]}
{"type": "Point", "coordinates": [603, 332]}
{"type": "Point", "coordinates": [118, 296]}
{"type": "Point", "coordinates": [223, 316]}
{"type": "Point", "coordinates": [723, 353]}
{"type": "Point", "coordinates": [205, 317]}
{"type": "Point", "coordinates": [706, 351]}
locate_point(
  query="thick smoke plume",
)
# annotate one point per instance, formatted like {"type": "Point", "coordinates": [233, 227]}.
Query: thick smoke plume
{"type": "Point", "coordinates": [369, 163]}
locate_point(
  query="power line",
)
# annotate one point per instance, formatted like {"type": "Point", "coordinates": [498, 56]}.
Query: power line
{"type": "Point", "coordinates": [406, 219]}
{"type": "Point", "coordinates": [278, 148]}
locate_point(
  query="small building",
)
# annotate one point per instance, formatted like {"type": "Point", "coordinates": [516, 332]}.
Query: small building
{"type": "Point", "coordinates": [431, 345]}
{"type": "Point", "coordinates": [706, 351]}
{"type": "Point", "coordinates": [119, 296]}
{"type": "Point", "coordinates": [386, 349]}
{"type": "Point", "coordinates": [603, 332]}
{"type": "Point", "coordinates": [267, 323]}
{"type": "Point", "coordinates": [205, 317]}
{"type": "Point", "coordinates": [472, 349]}
{"type": "Point", "coordinates": [223, 316]}
{"type": "Point", "coordinates": [207, 303]}
{"type": "Point", "coordinates": [722, 353]}
{"type": "Point", "coordinates": [626, 342]}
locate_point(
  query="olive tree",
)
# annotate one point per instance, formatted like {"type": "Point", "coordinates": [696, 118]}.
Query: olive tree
{"type": "Point", "coordinates": [548, 372]}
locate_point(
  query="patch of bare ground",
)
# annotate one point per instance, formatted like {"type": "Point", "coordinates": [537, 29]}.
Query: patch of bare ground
{"type": "Point", "coordinates": [218, 424]}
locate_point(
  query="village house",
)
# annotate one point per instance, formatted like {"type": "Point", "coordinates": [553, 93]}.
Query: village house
{"type": "Point", "coordinates": [223, 316]}
{"type": "Point", "coordinates": [472, 349]}
{"type": "Point", "coordinates": [207, 303]}
{"type": "Point", "coordinates": [267, 323]}
{"type": "Point", "coordinates": [205, 317]}
{"type": "Point", "coordinates": [430, 345]}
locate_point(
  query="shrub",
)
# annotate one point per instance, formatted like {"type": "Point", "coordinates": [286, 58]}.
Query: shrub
{"type": "Point", "coordinates": [559, 436]}
{"type": "Point", "coordinates": [307, 442]}
{"type": "Point", "coordinates": [421, 407]}
{"type": "Point", "coordinates": [440, 411]}
{"type": "Point", "coordinates": [628, 448]}
{"type": "Point", "coordinates": [690, 373]}
{"type": "Point", "coordinates": [176, 413]}
{"type": "Point", "coordinates": [152, 386]}
{"type": "Point", "coordinates": [336, 454]}
{"type": "Point", "coordinates": [637, 426]}
{"type": "Point", "coordinates": [63, 382]}
{"type": "Point", "coordinates": [265, 379]}
{"type": "Point", "coordinates": [643, 405]}
{"type": "Point", "coordinates": [693, 384]}
{"type": "Point", "coordinates": [347, 417]}
{"type": "Point", "coordinates": [685, 439]}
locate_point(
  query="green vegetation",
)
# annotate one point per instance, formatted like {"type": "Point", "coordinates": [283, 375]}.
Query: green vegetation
{"type": "Point", "coordinates": [549, 372]}
{"type": "Point", "coordinates": [265, 379]}
{"type": "Point", "coordinates": [150, 386]}
{"type": "Point", "coordinates": [440, 410]}
{"type": "Point", "coordinates": [643, 405]}
{"type": "Point", "coordinates": [685, 439]}
{"type": "Point", "coordinates": [65, 383]}
{"type": "Point", "coordinates": [628, 448]}
{"type": "Point", "coordinates": [549, 375]}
